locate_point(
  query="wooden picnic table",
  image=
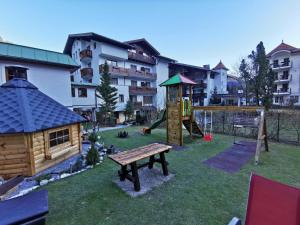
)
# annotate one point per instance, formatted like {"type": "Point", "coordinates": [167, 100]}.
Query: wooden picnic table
{"type": "Point", "coordinates": [132, 156]}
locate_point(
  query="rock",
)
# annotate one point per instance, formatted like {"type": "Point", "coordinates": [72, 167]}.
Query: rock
{"type": "Point", "coordinates": [101, 158]}
{"type": "Point", "coordinates": [1, 180]}
{"type": "Point", "coordinates": [64, 175]}
{"type": "Point", "coordinates": [43, 182]}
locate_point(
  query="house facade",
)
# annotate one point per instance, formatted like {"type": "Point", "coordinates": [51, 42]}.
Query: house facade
{"type": "Point", "coordinates": [48, 70]}
{"type": "Point", "coordinates": [285, 63]}
{"type": "Point", "coordinates": [136, 69]}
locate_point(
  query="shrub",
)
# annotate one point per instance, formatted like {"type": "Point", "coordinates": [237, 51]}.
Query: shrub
{"type": "Point", "coordinates": [123, 134]}
{"type": "Point", "coordinates": [140, 119]}
{"type": "Point", "coordinates": [93, 138]}
{"type": "Point", "coordinates": [43, 177]}
{"type": "Point", "coordinates": [92, 157]}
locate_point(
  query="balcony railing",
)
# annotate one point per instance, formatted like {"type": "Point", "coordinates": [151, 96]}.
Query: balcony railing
{"type": "Point", "coordinates": [282, 64]}
{"type": "Point", "coordinates": [140, 57]}
{"type": "Point", "coordinates": [86, 73]}
{"type": "Point", "coordinates": [131, 73]}
{"type": "Point", "coordinates": [86, 55]}
{"type": "Point", "coordinates": [134, 90]}
{"type": "Point", "coordinates": [137, 105]}
{"type": "Point", "coordinates": [283, 78]}
{"type": "Point", "coordinates": [282, 91]}
{"type": "Point", "coordinates": [202, 85]}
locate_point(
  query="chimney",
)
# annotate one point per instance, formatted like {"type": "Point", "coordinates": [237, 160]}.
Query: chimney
{"type": "Point", "coordinates": [206, 66]}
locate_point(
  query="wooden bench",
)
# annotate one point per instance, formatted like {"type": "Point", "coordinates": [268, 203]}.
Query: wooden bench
{"type": "Point", "coordinates": [132, 156]}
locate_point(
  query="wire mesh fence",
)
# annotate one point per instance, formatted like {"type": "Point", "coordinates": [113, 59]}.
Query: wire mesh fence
{"type": "Point", "coordinates": [282, 125]}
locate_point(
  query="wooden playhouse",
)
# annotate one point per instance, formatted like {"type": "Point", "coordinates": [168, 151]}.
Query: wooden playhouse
{"type": "Point", "coordinates": [36, 132]}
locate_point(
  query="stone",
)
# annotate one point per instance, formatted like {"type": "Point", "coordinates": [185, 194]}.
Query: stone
{"type": "Point", "coordinates": [43, 182]}
{"type": "Point", "coordinates": [64, 175]}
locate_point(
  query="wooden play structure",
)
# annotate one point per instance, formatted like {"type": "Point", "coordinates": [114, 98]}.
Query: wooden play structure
{"type": "Point", "coordinates": [179, 110]}
{"type": "Point", "coordinates": [36, 132]}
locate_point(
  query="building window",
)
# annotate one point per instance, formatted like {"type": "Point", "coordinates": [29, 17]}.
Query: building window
{"type": "Point", "coordinates": [134, 83]}
{"type": "Point", "coordinates": [58, 137]}
{"type": "Point", "coordinates": [82, 92]}
{"type": "Point", "coordinates": [112, 63]}
{"type": "Point", "coordinates": [133, 67]}
{"type": "Point", "coordinates": [72, 78]}
{"type": "Point", "coordinates": [275, 63]}
{"type": "Point", "coordinates": [121, 98]}
{"type": "Point", "coordinates": [145, 84]}
{"type": "Point", "coordinates": [15, 72]}
{"type": "Point", "coordinates": [73, 92]}
{"type": "Point", "coordinates": [145, 69]}
{"type": "Point", "coordinates": [95, 45]}
{"type": "Point", "coordinates": [294, 99]}
{"type": "Point", "coordinates": [114, 81]}
{"type": "Point", "coordinates": [285, 75]}
{"type": "Point", "coordinates": [133, 98]}
{"type": "Point", "coordinates": [147, 100]}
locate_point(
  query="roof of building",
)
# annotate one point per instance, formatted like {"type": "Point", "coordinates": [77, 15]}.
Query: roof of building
{"type": "Point", "coordinates": [92, 36]}
{"type": "Point", "coordinates": [143, 42]}
{"type": "Point", "coordinates": [25, 109]}
{"type": "Point", "coordinates": [220, 66]}
{"type": "Point", "coordinates": [283, 46]}
{"type": "Point", "coordinates": [190, 66]}
{"type": "Point", "coordinates": [177, 79]}
{"type": "Point", "coordinates": [9, 51]}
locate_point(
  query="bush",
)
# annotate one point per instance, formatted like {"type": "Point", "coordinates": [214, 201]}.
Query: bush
{"type": "Point", "coordinates": [93, 138]}
{"type": "Point", "coordinates": [92, 157]}
{"type": "Point", "coordinates": [141, 119]}
{"type": "Point", "coordinates": [123, 134]}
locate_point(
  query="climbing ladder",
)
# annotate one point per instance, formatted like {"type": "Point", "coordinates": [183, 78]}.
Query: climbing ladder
{"type": "Point", "coordinates": [195, 128]}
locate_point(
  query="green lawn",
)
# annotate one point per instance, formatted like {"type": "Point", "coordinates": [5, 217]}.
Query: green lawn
{"type": "Point", "coordinates": [197, 194]}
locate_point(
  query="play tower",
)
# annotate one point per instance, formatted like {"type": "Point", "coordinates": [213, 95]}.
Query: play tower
{"type": "Point", "coordinates": [179, 109]}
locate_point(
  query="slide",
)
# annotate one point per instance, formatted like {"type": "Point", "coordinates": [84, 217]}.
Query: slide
{"type": "Point", "coordinates": [162, 118]}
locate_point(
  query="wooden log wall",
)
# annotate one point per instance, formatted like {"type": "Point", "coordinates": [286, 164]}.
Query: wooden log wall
{"type": "Point", "coordinates": [14, 158]}
{"type": "Point", "coordinates": [28, 154]}
{"type": "Point", "coordinates": [174, 133]}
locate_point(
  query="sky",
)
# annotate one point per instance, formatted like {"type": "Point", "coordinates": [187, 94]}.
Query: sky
{"type": "Point", "coordinates": [193, 32]}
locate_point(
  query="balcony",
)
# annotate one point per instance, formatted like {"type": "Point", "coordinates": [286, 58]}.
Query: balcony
{"type": "Point", "coordinates": [134, 90]}
{"type": "Point", "coordinates": [137, 105]}
{"type": "Point", "coordinates": [86, 55]}
{"type": "Point", "coordinates": [283, 79]}
{"type": "Point", "coordinates": [282, 91]}
{"type": "Point", "coordinates": [130, 73]}
{"type": "Point", "coordinates": [86, 73]}
{"type": "Point", "coordinates": [282, 65]}
{"type": "Point", "coordinates": [141, 58]}
{"type": "Point", "coordinates": [202, 85]}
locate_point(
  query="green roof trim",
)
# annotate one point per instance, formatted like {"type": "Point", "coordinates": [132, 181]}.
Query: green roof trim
{"type": "Point", "coordinates": [23, 53]}
{"type": "Point", "coordinates": [177, 79]}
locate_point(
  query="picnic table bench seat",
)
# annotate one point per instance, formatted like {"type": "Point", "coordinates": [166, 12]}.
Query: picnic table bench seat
{"type": "Point", "coordinates": [132, 156]}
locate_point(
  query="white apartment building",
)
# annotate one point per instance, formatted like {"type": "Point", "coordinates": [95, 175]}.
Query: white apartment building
{"type": "Point", "coordinates": [49, 71]}
{"type": "Point", "coordinates": [285, 63]}
{"type": "Point", "coordinates": [136, 70]}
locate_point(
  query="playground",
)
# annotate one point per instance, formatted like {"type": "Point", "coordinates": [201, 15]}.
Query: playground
{"type": "Point", "coordinates": [198, 194]}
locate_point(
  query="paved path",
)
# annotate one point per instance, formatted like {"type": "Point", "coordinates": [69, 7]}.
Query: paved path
{"type": "Point", "coordinates": [234, 158]}
{"type": "Point", "coordinates": [109, 128]}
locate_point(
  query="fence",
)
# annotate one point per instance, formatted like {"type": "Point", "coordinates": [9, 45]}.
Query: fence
{"type": "Point", "coordinates": [282, 125]}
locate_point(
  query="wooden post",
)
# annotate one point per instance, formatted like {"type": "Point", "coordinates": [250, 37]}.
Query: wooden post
{"type": "Point", "coordinates": [266, 135]}
{"type": "Point", "coordinates": [191, 112]}
{"type": "Point", "coordinates": [123, 173]}
{"type": "Point", "coordinates": [151, 162]}
{"type": "Point", "coordinates": [167, 112]}
{"type": "Point", "coordinates": [164, 163]}
{"type": "Point", "coordinates": [260, 136]}
{"type": "Point", "coordinates": [135, 176]}
{"type": "Point", "coordinates": [180, 116]}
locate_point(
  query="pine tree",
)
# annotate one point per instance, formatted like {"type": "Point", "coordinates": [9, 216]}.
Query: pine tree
{"type": "Point", "coordinates": [129, 110]}
{"type": "Point", "coordinates": [262, 76]}
{"type": "Point", "coordinates": [215, 99]}
{"type": "Point", "coordinates": [245, 77]}
{"type": "Point", "coordinates": [106, 93]}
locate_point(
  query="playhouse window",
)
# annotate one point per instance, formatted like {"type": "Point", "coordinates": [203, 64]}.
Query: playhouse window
{"type": "Point", "coordinates": [59, 137]}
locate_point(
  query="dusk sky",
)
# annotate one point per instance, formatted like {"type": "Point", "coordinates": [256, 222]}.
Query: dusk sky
{"type": "Point", "coordinates": [192, 32]}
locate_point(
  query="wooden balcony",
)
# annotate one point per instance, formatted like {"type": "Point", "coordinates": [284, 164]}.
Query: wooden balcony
{"type": "Point", "coordinates": [130, 73]}
{"type": "Point", "coordinates": [202, 85]}
{"type": "Point", "coordinates": [137, 105]}
{"type": "Point", "coordinates": [86, 73]}
{"type": "Point", "coordinates": [282, 91]}
{"type": "Point", "coordinates": [86, 55]}
{"type": "Point", "coordinates": [134, 90]}
{"type": "Point", "coordinates": [141, 58]}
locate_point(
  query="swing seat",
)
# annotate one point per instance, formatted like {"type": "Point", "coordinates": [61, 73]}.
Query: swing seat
{"type": "Point", "coordinates": [208, 137]}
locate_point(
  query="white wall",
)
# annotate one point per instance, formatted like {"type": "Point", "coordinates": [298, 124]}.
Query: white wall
{"type": "Point", "coordinates": [162, 70]}
{"type": "Point", "coordinates": [88, 102]}
{"type": "Point", "coordinates": [52, 81]}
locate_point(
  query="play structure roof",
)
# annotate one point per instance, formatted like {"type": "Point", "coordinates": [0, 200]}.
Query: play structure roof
{"type": "Point", "coordinates": [25, 109]}
{"type": "Point", "coordinates": [177, 79]}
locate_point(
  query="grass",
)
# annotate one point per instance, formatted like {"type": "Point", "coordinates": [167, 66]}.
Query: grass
{"type": "Point", "coordinates": [197, 195]}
